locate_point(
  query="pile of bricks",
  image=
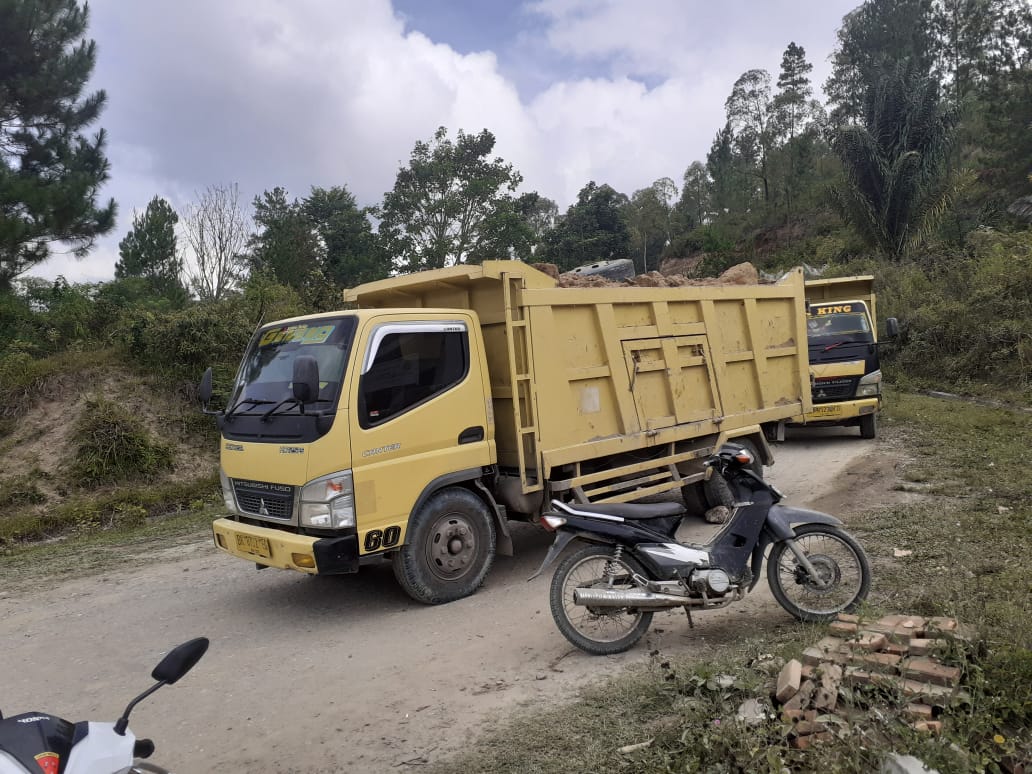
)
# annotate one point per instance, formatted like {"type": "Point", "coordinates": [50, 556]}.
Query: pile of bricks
{"type": "Point", "coordinates": [899, 654]}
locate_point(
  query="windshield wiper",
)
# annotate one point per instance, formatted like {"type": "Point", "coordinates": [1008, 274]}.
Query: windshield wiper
{"type": "Point", "coordinates": [274, 409]}
{"type": "Point", "coordinates": [253, 401]}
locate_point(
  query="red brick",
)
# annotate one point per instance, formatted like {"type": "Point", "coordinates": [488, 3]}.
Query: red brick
{"type": "Point", "coordinates": [803, 742]}
{"type": "Point", "coordinates": [929, 726]}
{"type": "Point", "coordinates": [920, 646]}
{"type": "Point", "coordinates": [807, 727]}
{"type": "Point", "coordinates": [858, 676]}
{"type": "Point", "coordinates": [827, 690]}
{"type": "Point", "coordinates": [897, 649]}
{"type": "Point", "coordinates": [848, 618]}
{"type": "Point", "coordinates": [792, 715]}
{"type": "Point", "coordinates": [919, 711]}
{"type": "Point", "coordinates": [807, 671]}
{"type": "Point", "coordinates": [941, 624]}
{"type": "Point", "coordinates": [930, 671]}
{"type": "Point", "coordinates": [881, 662]}
{"type": "Point", "coordinates": [788, 681]}
{"type": "Point", "coordinates": [936, 695]}
{"type": "Point", "coordinates": [842, 627]}
{"type": "Point", "coordinates": [868, 640]}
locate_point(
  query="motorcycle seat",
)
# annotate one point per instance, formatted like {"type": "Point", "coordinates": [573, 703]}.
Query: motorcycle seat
{"type": "Point", "coordinates": [629, 511]}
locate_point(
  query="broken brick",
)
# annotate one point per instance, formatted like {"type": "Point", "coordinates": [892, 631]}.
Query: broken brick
{"type": "Point", "coordinates": [929, 726]}
{"type": "Point", "coordinates": [848, 618]}
{"type": "Point", "coordinates": [802, 697]}
{"type": "Point", "coordinates": [941, 624]}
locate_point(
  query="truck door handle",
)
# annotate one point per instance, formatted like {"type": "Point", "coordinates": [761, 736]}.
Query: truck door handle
{"type": "Point", "coordinates": [471, 435]}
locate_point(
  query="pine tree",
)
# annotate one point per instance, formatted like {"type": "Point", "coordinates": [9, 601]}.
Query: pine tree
{"type": "Point", "coordinates": [50, 171]}
{"type": "Point", "coordinates": [149, 250]}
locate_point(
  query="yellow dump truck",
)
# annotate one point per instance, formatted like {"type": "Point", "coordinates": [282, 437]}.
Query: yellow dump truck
{"type": "Point", "coordinates": [842, 336]}
{"type": "Point", "coordinates": [414, 425]}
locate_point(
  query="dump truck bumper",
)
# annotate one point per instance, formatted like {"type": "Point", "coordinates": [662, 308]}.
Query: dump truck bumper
{"type": "Point", "coordinates": [838, 413]}
{"type": "Point", "coordinates": [276, 548]}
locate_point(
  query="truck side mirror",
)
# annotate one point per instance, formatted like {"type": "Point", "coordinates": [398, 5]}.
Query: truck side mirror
{"type": "Point", "coordinates": [306, 378]}
{"type": "Point", "coordinates": [204, 389]}
{"type": "Point", "coordinates": [891, 328]}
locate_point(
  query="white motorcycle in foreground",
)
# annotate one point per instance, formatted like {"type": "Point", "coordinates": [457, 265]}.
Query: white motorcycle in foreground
{"type": "Point", "coordinates": [36, 741]}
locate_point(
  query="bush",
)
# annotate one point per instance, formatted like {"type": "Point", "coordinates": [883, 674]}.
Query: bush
{"type": "Point", "coordinates": [966, 320]}
{"type": "Point", "coordinates": [113, 445]}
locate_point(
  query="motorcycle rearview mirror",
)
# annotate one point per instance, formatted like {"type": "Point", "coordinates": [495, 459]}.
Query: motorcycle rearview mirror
{"type": "Point", "coordinates": [306, 378]}
{"type": "Point", "coordinates": [180, 660]}
{"type": "Point", "coordinates": [177, 662]}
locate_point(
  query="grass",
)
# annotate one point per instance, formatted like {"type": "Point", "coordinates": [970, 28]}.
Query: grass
{"type": "Point", "coordinates": [102, 551]}
{"type": "Point", "coordinates": [971, 536]}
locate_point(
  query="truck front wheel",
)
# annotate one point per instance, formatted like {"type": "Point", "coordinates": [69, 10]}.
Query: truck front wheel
{"type": "Point", "coordinates": [449, 548]}
{"type": "Point", "coordinates": [868, 426]}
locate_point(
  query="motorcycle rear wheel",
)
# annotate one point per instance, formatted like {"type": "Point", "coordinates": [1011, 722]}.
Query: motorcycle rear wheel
{"type": "Point", "coordinates": [600, 631]}
{"type": "Point", "coordinates": [839, 561]}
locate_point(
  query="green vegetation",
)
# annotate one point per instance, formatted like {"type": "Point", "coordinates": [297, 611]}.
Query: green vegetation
{"type": "Point", "coordinates": [970, 536]}
{"type": "Point", "coordinates": [112, 445]}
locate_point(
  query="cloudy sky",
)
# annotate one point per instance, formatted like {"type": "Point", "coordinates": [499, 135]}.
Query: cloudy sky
{"type": "Point", "coordinates": [299, 93]}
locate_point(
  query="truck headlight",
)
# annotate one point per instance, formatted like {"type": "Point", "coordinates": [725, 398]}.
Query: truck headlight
{"type": "Point", "coordinates": [227, 492]}
{"type": "Point", "coordinates": [870, 385]}
{"type": "Point", "coordinates": [329, 502]}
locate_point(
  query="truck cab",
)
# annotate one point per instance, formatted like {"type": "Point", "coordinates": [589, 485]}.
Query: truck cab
{"type": "Point", "coordinates": [842, 344]}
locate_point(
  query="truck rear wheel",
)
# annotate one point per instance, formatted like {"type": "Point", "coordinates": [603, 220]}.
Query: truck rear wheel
{"type": "Point", "coordinates": [868, 425]}
{"type": "Point", "coordinates": [449, 548]}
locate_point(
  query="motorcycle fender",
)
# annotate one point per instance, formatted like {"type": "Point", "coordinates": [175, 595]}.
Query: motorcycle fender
{"type": "Point", "coordinates": [562, 539]}
{"type": "Point", "coordinates": [780, 519]}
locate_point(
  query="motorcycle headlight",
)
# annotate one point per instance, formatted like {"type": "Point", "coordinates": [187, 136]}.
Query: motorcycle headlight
{"type": "Point", "coordinates": [329, 502]}
{"type": "Point", "coordinates": [227, 492]}
{"type": "Point", "coordinates": [870, 385]}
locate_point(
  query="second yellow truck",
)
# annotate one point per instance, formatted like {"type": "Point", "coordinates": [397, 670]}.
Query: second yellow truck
{"type": "Point", "coordinates": [414, 426]}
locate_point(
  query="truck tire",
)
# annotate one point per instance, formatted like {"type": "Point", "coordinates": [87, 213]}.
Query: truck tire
{"type": "Point", "coordinates": [449, 548]}
{"type": "Point", "coordinates": [868, 425]}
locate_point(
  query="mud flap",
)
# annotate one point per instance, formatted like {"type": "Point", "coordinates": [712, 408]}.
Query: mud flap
{"type": "Point", "coordinates": [562, 539]}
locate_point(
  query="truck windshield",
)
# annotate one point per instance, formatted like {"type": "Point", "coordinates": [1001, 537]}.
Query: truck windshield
{"type": "Point", "coordinates": [267, 370]}
{"type": "Point", "coordinates": [839, 327]}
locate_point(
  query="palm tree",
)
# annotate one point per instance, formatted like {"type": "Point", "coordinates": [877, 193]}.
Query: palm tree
{"type": "Point", "coordinates": [896, 186]}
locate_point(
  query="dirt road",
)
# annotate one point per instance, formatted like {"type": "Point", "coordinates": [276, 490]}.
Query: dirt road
{"type": "Point", "coordinates": [347, 674]}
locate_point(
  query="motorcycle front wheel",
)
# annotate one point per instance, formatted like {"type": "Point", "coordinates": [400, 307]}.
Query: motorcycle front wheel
{"type": "Point", "coordinates": [844, 576]}
{"type": "Point", "coordinates": [605, 630]}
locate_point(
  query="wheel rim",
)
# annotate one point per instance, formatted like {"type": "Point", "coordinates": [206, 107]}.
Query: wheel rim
{"type": "Point", "coordinates": [610, 624]}
{"type": "Point", "coordinates": [451, 549]}
{"type": "Point", "coordinates": [838, 569]}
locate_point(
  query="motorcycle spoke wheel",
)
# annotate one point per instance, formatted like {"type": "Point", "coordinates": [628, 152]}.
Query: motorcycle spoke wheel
{"type": "Point", "coordinates": [843, 574]}
{"type": "Point", "coordinates": [600, 631]}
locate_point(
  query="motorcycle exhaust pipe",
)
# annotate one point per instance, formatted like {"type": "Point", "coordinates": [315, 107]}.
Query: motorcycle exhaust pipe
{"type": "Point", "coordinates": [627, 598]}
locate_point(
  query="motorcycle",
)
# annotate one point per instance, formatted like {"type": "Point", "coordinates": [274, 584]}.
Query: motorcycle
{"type": "Point", "coordinates": [603, 596]}
{"type": "Point", "coordinates": [35, 740]}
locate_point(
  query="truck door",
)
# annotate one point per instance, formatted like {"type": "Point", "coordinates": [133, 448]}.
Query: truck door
{"type": "Point", "coordinates": [420, 414]}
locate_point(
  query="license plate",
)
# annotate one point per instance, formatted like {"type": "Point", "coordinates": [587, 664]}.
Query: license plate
{"type": "Point", "coordinates": [825, 411]}
{"type": "Point", "coordinates": [258, 546]}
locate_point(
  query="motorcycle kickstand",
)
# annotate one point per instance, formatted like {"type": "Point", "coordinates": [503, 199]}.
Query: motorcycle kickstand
{"type": "Point", "coordinates": [688, 612]}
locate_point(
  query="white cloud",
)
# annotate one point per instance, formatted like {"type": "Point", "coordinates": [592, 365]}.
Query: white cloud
{"type": "Point", "coordinates": [267, 93]}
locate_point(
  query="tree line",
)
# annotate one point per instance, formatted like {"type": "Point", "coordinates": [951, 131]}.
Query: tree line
{"type": "Point", "coordinates": [922, 146]}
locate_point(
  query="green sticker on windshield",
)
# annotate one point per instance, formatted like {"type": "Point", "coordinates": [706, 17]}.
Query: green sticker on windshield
{"type": "Point", "coordinates": [299, 334]}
